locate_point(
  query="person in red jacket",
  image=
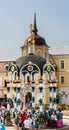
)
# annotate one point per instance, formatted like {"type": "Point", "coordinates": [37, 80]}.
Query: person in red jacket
{"type": "Point", "coordinates": [23, 117]}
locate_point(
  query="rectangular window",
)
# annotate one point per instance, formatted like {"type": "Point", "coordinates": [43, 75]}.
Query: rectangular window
{"type": "Point", "coordinates": [40, 90]}
{"type": "Point", "coordinates": [49, 75]}
{"type": "Point", "coordinates": [28, 79]}
{"type": "Point", "coordinates": [33, 77]}
{"type": "Point", "coordinates": [62, 80]}
{"type": "Point", "coordinates": [5, 83]}
{"type": "Point", "coordinates": [45, 54]}
{"type": "Point", "coordinates": [33, 99]}
{"type": "Point", "coordinates": [33, 89]}
{"type": "Point", "coordinates": [62, 64]}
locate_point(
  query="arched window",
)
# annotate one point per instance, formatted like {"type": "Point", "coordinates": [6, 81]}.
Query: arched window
{"type": "Point", "coordinates": [39, 52]}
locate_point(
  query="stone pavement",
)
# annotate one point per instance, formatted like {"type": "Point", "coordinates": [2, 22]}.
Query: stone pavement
{"type": "Point", "coordinates": [10, 128]}
{"type": "Point", "coordinates": [65, 120]}
{"type": "Point", "coordinates": [64, 128]}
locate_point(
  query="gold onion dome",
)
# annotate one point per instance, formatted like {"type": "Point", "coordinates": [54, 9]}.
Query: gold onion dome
{"type": "Point", "coordinates": [34, 38]}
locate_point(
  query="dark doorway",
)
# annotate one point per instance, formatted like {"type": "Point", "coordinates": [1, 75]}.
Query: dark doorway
{"type": "Point", "coordinates": [28, 97]}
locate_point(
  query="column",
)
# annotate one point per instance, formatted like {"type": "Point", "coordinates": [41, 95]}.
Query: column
{"type": "Point", "coordinates": [41, 100]}
{"type": "Point", "coordinates": [54, 97]}
{"type": "Point", "coordinates": [15, 98]}
{"type": "Point", "coordinates": [33, 97]}
{"type": "Point", "coordinates": [24, 101]}
{"type": "Point", "coordinates": [50, 98]}
{"type": "Point", "coordinates": [18, 98]}
{"type": "Point", "coordinates": [8, 98]}
{"type": "Point", "coordinates": [41, 105]}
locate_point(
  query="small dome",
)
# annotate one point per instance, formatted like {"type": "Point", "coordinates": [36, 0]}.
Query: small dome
{"type": "Point", "coordinates": [38, 60]}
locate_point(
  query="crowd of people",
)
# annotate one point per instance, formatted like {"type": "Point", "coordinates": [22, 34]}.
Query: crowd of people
{"type": "Point", "coordinates": [30, 118]}
{"type": "Point", "coordinates": [2, 113]}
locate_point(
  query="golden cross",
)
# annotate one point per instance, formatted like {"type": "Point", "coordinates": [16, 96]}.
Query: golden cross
{"type": "Point", "coordinates": [31, 28]}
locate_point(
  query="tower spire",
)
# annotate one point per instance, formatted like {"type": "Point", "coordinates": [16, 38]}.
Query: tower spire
{"type": "Point", "coordinates": [35, 26]}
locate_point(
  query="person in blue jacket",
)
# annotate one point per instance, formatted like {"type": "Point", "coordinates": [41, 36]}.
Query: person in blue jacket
{"type": "Point", "coordinates": [2, 126]}
{"type": "Point", "coordinates": [35, 123]}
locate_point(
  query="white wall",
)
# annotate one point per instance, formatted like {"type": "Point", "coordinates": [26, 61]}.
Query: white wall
{"type": "Point", "coordinates": [64, 95]}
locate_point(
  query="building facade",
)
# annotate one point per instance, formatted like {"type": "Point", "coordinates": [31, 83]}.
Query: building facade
{"type": "Point", "coordinates": [61, 58]}
{"type": "Point", "coordinates": [35, 76]}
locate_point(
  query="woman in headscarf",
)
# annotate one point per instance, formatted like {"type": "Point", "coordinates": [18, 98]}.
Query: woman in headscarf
{"type": "Point", "coordinates": [59, 119]}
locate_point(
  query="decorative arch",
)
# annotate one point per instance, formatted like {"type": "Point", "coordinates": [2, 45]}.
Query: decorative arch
{"type": "Point", "coordinates": [49, 68]}
{"type": "Point", "coordinates": [29, 68]}
{"type": "Point", "coordinates": [13, 71]}
{"type": "Point", "coordinates": [28, 97]}
{"type": "Point", "coordinates": [28, 71]}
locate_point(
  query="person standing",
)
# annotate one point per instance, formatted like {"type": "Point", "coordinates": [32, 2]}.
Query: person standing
{"type": "Point", "coordinates": [49, 119]}
{"type": "Point", "coordinates": [35, 123]}
{"type": "Point", "coordinates": [20, 125]}
{"type": "Point", "coordinates": [2, 126]}
{"type": "Point", "coordinates": [53, 120]}
{"type": "Point", "coordinates": [27, 123]}
{"type": "Point", "coordinates": [59, 119]}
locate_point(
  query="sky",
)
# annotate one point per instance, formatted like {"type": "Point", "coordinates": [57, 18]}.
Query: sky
{"type": "Point", "coordinates": [52, 17]}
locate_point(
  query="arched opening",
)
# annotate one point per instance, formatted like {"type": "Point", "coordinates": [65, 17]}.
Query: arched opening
{"type": "Point", "coordinates": [28, 97]}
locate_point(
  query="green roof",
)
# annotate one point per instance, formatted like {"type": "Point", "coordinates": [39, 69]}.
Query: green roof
{"type": "Point", "coordinates": [38, 60]}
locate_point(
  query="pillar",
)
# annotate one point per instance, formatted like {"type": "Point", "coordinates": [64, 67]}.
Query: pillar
{"type": "Point", "coordinates": [54, 97]}
{"type": "Point", "coordinates": [15, 98]}
{"type": "Point", "coordinates": [18, 98]}
{"type": "Point", "coordinates": [41, 100]}
{"type": "Point", "coordinates": [8, 98]}
{"type": "Point", "coordinates": [33, 97]}
{"type": "Point", "coordinates": [24, 100]}
{"type": "Point", "coordinates": [50, 98]}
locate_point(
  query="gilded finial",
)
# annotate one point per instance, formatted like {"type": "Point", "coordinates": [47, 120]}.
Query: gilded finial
{"type": "Point", "coordinates": [30, 39]}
